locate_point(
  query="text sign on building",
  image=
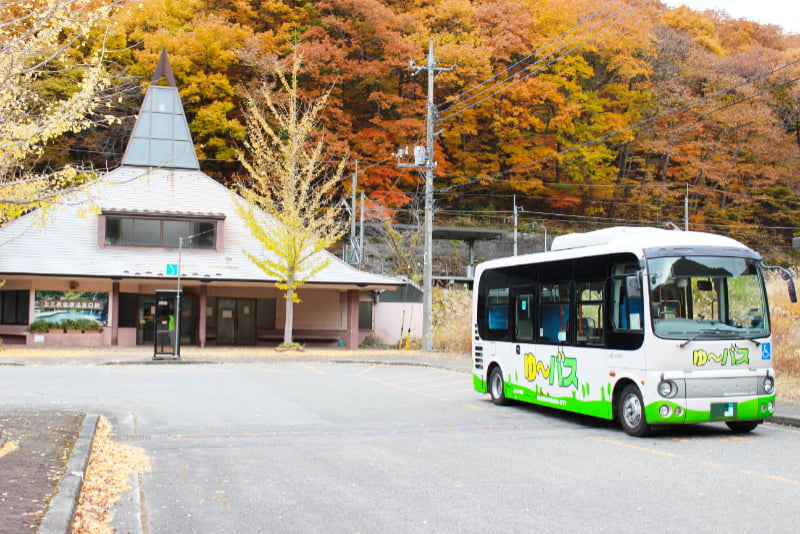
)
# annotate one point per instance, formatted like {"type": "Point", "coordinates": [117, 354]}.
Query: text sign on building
{"type": "Point", "coordinates": [172, 269]}
{"type": "Point", "coordinates": [72, 304]}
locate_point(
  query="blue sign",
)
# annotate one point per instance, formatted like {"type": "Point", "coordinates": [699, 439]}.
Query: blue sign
{"type": "Point", "coordinates": [172, 269]}
{"type": "Point", "coordinates": [766, 351]}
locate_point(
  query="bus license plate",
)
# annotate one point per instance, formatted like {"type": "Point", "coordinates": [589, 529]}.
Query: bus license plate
{"type": "Point", "coordinates": [723, 410]}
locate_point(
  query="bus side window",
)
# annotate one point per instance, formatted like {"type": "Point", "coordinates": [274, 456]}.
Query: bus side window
{"type": "Point", "coordinates": [554, 320]}
{"type": "Point", "coordinates": [627, 312]}
{"type": "Point", "coordinates": [497, 316]}
{"type": "Point", "coordinates": [590, 313]}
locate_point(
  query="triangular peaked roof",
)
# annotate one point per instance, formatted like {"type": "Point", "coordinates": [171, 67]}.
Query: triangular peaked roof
{"type": "Point", "coordinates": [161, 135]}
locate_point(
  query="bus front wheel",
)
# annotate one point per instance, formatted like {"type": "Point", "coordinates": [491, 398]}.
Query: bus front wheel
{"type": "Point", "coordinates": [631, 412]}
{"type": "Point", "coordinates": [742, 427]}
{"type": "Point", "coordinates": [496, 386]}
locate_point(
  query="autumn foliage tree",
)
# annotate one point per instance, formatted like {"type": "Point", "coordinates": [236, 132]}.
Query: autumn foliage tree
{"type": "Point", "coordinates": [591, 113]}
{"type": "Point", "coordinates": [52, 74]}
{"type": "Point", "coordinates": [288, 198]}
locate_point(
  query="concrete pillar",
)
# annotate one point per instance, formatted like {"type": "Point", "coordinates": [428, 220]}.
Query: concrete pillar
{"type": "Point", "coordinates": [201, 327]}
{"type": "Point", "coordinates": [114, 314]}
{"type": "Point", "coordinates": [351, 340]}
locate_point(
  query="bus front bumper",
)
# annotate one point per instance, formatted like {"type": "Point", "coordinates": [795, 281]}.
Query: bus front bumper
{"type": "Point", "coordinates": [708, 399]}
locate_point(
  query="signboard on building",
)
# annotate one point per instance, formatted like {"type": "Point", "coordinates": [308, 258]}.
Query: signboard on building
{"type": "Point", "coordinates": [55, 306]}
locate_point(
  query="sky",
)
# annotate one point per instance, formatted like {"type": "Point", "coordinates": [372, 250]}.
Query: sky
{"type": "Point", "coordinates": [784, 13]}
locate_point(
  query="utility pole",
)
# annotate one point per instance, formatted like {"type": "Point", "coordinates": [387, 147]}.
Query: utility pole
{"type": "Point", "coordinates": [686, 209]}
{"type": "Point", "coordinates": [516, 210]}
{"type": "Point", "coordinates": [353, 214]}
{"type": "Point", "coordinates": [354, 250]}
{"type": "Point", "coordinates": [361, 234]}
{"type": "Point", "coordinates": [428, 164]}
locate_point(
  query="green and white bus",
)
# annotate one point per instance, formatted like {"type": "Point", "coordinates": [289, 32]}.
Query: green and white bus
{"type": "Point", "coordinates": [648, 326]}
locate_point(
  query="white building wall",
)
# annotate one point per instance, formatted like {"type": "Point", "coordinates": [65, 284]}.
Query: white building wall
{"type": "Point", "coordinates": [390, 317]}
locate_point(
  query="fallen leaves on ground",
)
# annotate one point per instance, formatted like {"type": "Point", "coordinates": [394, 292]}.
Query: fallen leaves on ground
{"type": "Point", "coordinates": [110, 466]}
{"type": "Point", "coordinates": [8, 446]}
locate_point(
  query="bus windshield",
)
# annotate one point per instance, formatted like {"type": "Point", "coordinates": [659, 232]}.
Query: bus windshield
{"type": "Point", "coordinates": [707, 297]}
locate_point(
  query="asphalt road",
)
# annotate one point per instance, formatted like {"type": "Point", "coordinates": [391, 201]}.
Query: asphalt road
{"type": "Point", "coordinates": [372, 448]}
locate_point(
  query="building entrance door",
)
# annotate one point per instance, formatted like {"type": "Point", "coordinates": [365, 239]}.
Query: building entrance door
{"type": "Point", "coordinates": [236, 321]}
{"type": "Point", "coordinates": [246, 322]}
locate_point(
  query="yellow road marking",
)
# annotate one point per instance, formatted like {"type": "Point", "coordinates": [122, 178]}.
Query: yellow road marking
{"type": "Point", "coordinates": [772, 477]}
{"type": "Point", "coordinates": [459, 383]}
{"type": "Point", "coordinates": [706, 463]}
{"type": "Point", "coordinates": [365, 371]}
{"type": "Point", "coordinates": [638, 448]}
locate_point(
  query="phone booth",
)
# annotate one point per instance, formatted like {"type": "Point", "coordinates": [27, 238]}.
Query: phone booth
{"type": "Point", "coordinates": [167, 342]}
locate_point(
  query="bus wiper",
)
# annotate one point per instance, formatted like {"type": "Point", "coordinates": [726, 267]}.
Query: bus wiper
{"type": "Point", "coordinates": [704, 332]}
{"type": "Point", "coordinates": [754, 340]}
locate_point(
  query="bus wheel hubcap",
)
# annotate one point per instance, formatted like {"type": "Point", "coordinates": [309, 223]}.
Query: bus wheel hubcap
{"type": "Point", "coordinates": [632, 410]}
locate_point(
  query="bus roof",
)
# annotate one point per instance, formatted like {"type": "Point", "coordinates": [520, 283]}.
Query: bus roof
{"type": "Point", "coordinates": [633, 239]}
{"type": "Point", "coordinates": [640, 237]}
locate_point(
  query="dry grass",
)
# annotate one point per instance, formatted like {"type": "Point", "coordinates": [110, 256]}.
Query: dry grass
{"type": "Point", "coordinates": [452, 311]}
{"type": "Point", "coordinates": [785, 317]}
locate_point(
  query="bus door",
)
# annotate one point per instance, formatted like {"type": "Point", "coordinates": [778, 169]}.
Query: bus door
{"type": "Point", "coordinates": [545, 369]}
{"type": "Point", "coordinates": [525, 306]}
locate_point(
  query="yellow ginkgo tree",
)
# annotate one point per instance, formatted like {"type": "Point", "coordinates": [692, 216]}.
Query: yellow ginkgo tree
{"type": "Point", "coordinates": [288, 199]}
{"type": "Point", "coordinates": [51, 76]}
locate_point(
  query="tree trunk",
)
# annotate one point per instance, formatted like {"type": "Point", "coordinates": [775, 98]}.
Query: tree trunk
{"type": "Point", "coordinates": [287, 329]}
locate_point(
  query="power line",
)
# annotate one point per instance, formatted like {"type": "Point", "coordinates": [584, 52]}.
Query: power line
{"type": "Point", "coordinates": [539, 50]}
{"type": "Point", "coordinates": [649, 120]}
{"type": "Point", "coordinates": [517, 79]}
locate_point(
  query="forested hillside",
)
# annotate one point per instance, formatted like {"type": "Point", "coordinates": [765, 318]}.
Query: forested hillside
{"type": "Point", "coordinates": [592, 113]}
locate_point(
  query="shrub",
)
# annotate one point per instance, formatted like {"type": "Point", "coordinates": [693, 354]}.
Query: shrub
{"type": "Point", "coordinates": [40, 325]}
{"type": "Point", "coordinates": [82, 324]}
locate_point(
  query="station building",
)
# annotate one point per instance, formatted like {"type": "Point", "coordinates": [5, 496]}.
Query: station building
{"type": "Point", "coordinates": [104, 251]}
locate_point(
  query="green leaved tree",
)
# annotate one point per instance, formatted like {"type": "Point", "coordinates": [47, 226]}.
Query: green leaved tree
{"type": "Point", "coordinates": [287, 199]}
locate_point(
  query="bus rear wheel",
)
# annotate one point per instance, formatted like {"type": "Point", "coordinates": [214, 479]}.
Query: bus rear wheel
{"type": "Point", "coordinates": [496, 386]}
{"type": "Point", "coordinates": [742, 427]}
{"type": "Point", "coordinates": [631, 412]}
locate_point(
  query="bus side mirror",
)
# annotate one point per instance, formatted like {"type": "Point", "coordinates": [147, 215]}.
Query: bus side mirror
{"type": "Point", "coordinates": [633, 286]}
{"type": "Point", "coordinates": [786, 274]}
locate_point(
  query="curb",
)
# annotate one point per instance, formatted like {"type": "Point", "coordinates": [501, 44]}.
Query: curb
{"type": "Point", "coordinates": [784, 420]}
{"type": "Point", "coordinates": [58, 519]}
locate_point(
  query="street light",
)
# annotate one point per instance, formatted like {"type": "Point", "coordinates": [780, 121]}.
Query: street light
{"type": "Point", "coordinates": [176, 354]}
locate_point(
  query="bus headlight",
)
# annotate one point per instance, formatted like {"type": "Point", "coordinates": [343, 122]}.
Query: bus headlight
{"type": "Point", "coordinates": [667, 389]}
{"type": "Point", "coordinates": [664, 410]}
{"type": "Point", "coordinates": [769, 385]}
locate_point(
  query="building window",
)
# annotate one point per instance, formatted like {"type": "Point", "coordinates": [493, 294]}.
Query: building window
{"type": "Point", "coordinates": [14, 306]}
{"type": "Point", "coordinates": [365, 315]}
{"type": "Point", "coordinates": [125, 231]}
